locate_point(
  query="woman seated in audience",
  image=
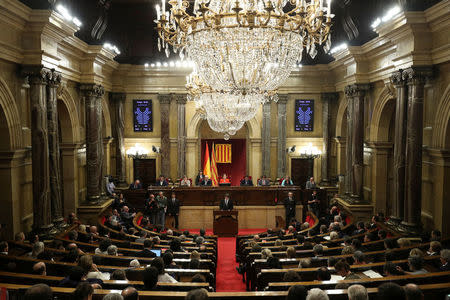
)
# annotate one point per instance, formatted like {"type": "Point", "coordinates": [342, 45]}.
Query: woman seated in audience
{"type": "Point", "coordinates": [415, 264]}
{"type": "Point", "coordinates": [287, 181]}
{"type": "Point", "coordinates": [118, 274]}
{"type": "Point", "coordinates": [224, 179]}
{"type": "Point", "coordinates": [291, 276]}
{"type": "Point", "coordinates": [19, 237]}
{"type": "Point", "coordinates": [84, 291]}
{"type": "Point", "coordinates": [266, 253]}
{"type": "Point", "coordinates": [435, 248]}
{"type": "Point", "coordinates": [91, 269]}
{"type": "Point", "coordinates": [112, 250]}
{"type": "Point", "coordinates": [185, 181]}
{"type": "Point", "coordinates": [291, 253]}
{"type": "Point", "coordinates": [343, 269]}
{"type": "Point", "coordinates": [390, 269]}
{"type": "Point", "coordinates": [158, 263]}
{"type": "Point", "coordinates": [416, 251]}
{"type": "Point", "coordinates": [103, 247]}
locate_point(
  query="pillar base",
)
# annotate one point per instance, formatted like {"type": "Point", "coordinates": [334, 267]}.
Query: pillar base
{"type": "Point", "coordinates": [93, 200]}
{"type": "Point", "coordinates": [410, 228]}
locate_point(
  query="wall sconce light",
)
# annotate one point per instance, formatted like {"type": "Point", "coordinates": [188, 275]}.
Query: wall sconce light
{"type": "Point", "coordinates": [137, 152]}
{"type": "Point", "coordinates": [291, 149]}
{"type": "Point", "coordinates": [310, 152]}
{"type": "Point", "coordinates": [156, 149]}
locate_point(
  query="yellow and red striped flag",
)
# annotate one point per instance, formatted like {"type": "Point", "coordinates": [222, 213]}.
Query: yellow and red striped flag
{"type": "Point", "coordinates": [223, 153]}
{"type": "Point", "coordinates": [214, 175]}
{"type": "Point", "coordinates": [207, 163]}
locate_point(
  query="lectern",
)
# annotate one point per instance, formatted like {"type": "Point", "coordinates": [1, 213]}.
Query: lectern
{"type": "Point", "coordinates": [225, 223]}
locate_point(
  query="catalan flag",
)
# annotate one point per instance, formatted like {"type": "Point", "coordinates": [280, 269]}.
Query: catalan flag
{"type": "Point", "coordinates": [214, 176]}
{"type": "Point", "coordinates": [223, 153]}
{"type": "Point", "coordinates": [207, 163]}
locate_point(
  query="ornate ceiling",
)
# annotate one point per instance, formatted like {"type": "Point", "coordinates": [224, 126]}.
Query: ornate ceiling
{"type": "Point", "coordinates": [129, 25]}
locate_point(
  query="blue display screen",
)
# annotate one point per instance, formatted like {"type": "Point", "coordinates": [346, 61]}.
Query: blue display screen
{"type": "Point", "coordinates": [304, 115]}
{"type": "Point", "coordinates": [143, 115]}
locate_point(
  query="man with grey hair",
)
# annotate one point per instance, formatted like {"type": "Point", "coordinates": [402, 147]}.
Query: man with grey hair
{"type": "Point", "coordinates": [113, 296]}
{"type": "Point", "coordinates": [112, 250]}
{"type": "Point", "coordinates": [317, 294]}
{"type": "Point", "coordinates": [357, 292]}
{"type": "Point", "coordinates": [134, 263]}
{"type": "Point", "coordinates": [445, 259]}
{"type": "Point", "coordinates": [199, 240]}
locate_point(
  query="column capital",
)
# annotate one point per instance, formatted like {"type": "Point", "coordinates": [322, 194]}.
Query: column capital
{"type": "Point", "coordinates": [417, 75]}
{"type": "Point", "coordinates": [181, 98]}
{"type": "Point", "coordinates": [397, 78]}
{"type": "Point", "coordinates": [164, 98]}
{"type": "Point", "coordinates": [282, 99]}
{"type": "Point", "coordinates": [37, 74]}
{"type": "Point", "coordinates": [357, 89]}
{"type": "Point", "coordinates": [92, 89]}
{"type": "Point", "coordinates": [54, 79]}
{"type": "Point", "coordinates": [329, 97]}
{"type": "Point", "coordinates": [117, 97]}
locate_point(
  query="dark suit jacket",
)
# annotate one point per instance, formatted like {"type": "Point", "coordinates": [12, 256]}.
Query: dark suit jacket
{"type": "Point", "coordinates": [207, 183]}
{"type": "Point", "coordinates": [246, 183]}
{"type": "Point", "coordinates": [145, 253]}
{"type": "Point", "coordinates": [159, 183]}
{"type": "Point", "coordinates": [138, 187]}
{"type": "Point", "coordinates": [198, 180]}
{"type": "Point", "coordinates": [173, 208]}
{"type": "Point", "coordinates": [226, 207]}
{"type": "Point", "coordinates": [290, 205]}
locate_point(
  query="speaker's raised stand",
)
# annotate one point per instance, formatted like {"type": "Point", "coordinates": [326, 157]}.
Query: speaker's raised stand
{"type": "Point", "coordinates": [225, 223]}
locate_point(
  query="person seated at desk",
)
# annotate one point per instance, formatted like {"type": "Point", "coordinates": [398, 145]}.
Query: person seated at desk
{"type": "Point", "coordinates": [264, 181]}
{"type": "Point", "coordinates": [162, 181]}
{"type": "Point", "coordinates": [226, 203]}
{"type": "Point", "coordinates": [200, 178]}
{"type": "Point", "coordinates": [246, 181]}
{"type": "Point", "coordinates": [185, 181]}
{"type": "Point", "coordinates": [206, 181]}
{"type": "Point", "coordinates": [136, 185]}
{"type": "Point", "coordinates": [310, 184]}
{"type": "Point", "coordinates": [287, 181]}
{"type": "Point", "coordinates": [224, 180]}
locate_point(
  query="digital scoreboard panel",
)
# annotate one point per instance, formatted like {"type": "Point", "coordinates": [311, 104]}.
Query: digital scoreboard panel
{"type": "Point", "coordinates": [304, 115]}
{"type": "Point", "coordinates": [143, 115]}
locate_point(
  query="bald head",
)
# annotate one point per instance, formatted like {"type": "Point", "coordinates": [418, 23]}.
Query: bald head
{"type": "Point", "coordinates": [93, 229]}
{"type": "Point", "coordinates": [413, 292]}
{"type": "Point", "coordinates": [39, 292]}
{"type": "Point", "coordinates": [130, 293]}
{"type": "Point", "coordinates": [39, 268]}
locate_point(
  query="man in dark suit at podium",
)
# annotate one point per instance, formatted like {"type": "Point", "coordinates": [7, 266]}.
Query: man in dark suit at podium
{"type": "Point", "coordinates": [289, 205]}
{"type": "Point", "coordinates": [226, 203]}
{"type": "Point", "coordinates": [173, 208]}
{"type": "Point", "coordinates": [136, 185]}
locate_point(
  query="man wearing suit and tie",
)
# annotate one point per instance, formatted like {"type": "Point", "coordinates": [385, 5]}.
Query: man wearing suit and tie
{"type": "Point", "coordinates": [226, 203]}
{"type": "Point", "coordinates": [246, 181]}
{"type": "Point", "coordinates": [289, 205]}
{"type": "Point", "coordinates": [136, 185]}
{"type": "Point", "coordinates": [173, 208]}
{"type": "Point", "coordinates": [162, 181]}
{"type": "Point", "coordinates": [147, 250]}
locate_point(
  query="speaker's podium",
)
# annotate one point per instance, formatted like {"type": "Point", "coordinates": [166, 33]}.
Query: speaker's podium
{"type": "Point", "coordinates": [225, 223]}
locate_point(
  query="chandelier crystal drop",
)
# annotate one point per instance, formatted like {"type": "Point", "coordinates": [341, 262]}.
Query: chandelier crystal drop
{"type": "Point", "coordinates": [244, 46]}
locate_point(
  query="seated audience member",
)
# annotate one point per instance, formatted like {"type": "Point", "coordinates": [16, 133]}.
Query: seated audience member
{"type": "Point", "coordinates": [357, 292]}
{"type": "Point", "coordinates": [71, 256]}
{"type": "Point", "coordinates": [19, 237]}
{"type": "Point", "coordinates": [347, 250]}
{"type": "Point", "coordinates": [373, 222]}
{"type": "Point", "coordinates": [39, 292]}
{"type": "Point", "coordinates": [415, 264]}
{"type": "Point", "coordinates": [287, 181]}
{"type": "Point", "coordinates": [206, 181]}
{"type": "Point", "coordinates": [332, 260]}
{"type": "Point", "coordinates": [39, 268]}
{"type": "Point", "coordinates": [168, 260]}
{"type": "Point", "coordinates": [91, 269]}
{"type": "Point", "coordinates": [150, 278]}
{"type": "Point", "coordinates": [185, 181]}
{"type": "Point", "coordinates": [390, 244]}
{"type": "Point", "coordinates": [323, 274]}
{"type": "Point", "coordinates": [403, 242]}
{"type": "Point", "coordinates": [436, 235]}
{"type": "Point", "coordinates": [84, 291]}
{"type": "Point", "coordinates": [359, 258]}
{"type": "Point", "coordinates": [158, 263]}
{"type": "Point", "coordinates": [357, 245]}
{"type": "Point", "coordinates": [323, 229]}
{"type": "Point", "coordinates": [291, 276]}
{"type": "Point", "coordinates": [146, 252]}
{"type": "Point", "coordinates": [130, 293]}
{"type": "Point", "coordinates": [142, 237]}
{"type": "Point", "coordinates": [297, 292]}
{"type": "Point", "coordinates": [263, 181]}
{"type": "Point", "coordinates": [135, 264]}
{"type": "Point", "coordinates": [103, 247]}
{"type": "Point", "coordinates": [161, 181]}
{"type": "Point", "coordinates": [194, 263]}
{"type": "Point", "coordinates": [136, 185]}
{"type": "Point", "coordinates": [445, 259]}
{"type": "Point", "coordinates": [316, 294]}
{"type": "Point", "coordinates": [224, 179]}
{"type": "Point", "coordinates": [413, 292]}
{"type": "Point", "coordinates": [317, 251]}
{"type": "Point", "coordinates": [416, 251]}
{"type": "Point", "coordinates": [118, 274]}
{"type": "Point", "coordinates": [246, 181]}
{"type": "Point", "coordinates": [93, 230]}
{"type": "Point", "coordinates": [200, 178]}
{"type": "Point", "coordinates": [112, 296]}
{"type": "Point", "coordinates": [72, 235]}
{"type": "Point", "coordinates": [4, 248]}
{"type": "Point", "coordinates": [310, 184]}
{"type": "Point", "coordinates": [382, 234]}
{"type": "Point", "coordinates": [112, 250]}
{"type": "Point", "coordinates": [175, 245]}
{"type": "Point", "coordinates": [304, 263]}
{"type": "Point", "coordinates": [197, 294]}
{"type": "Point", "coordinates": [390, 290]}
{"type": "Point", "coordinates": [389, 269]}
{"type": "Point", "coordinates": [435, 248]}
{"type": "Point", "coordinates": [343, 269]}
{"type": "Point", "coordinates": [199, 278]}
{"type": "Point", "coordinates": [266, 253]}
{"type": "Point", "coordinates": [273, 263]}
{"type": "Point", "coordinates": [370, 237]}
{"type": "Point", "coordinates": [37, 249]}
{"type": "Point", "coordinates": [119, 202]}
{"type": "Point", "coordinates": [126, 216]}
{"type": "Point", "coordinates": [291, 253]}
{"type": "Point", "coordinates": [76, 275]}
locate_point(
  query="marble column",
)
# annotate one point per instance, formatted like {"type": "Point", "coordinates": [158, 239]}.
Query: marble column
{"type": "Point", "coordinates": [265, 141]}
{"type": "Point", "coordinates": [38, 78]}
{"type": "Point", "coordinates": [326, 99]}
{"type": "Point", "coordinates": [53, 147]}
{"type": "Point", "coordinates": [164, 103]}
{"type": "Point", "coordinates": [119, 100]}
{"type": "Point", "coordinates": [401, 107]}
{"type": "Point", "coordinates": [349, 144]}
{"type": "Point", "coordinates": [281, 147]}
{"type": "Point", "coordinates": [181, 146]}
{"type": "Point", "coordinates": [94, 143]}
{"type": "Point", "coordinates": [416, 78]}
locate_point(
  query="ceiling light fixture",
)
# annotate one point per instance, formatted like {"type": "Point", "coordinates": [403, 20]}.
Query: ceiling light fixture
{"type": "Point", "coordinates": [67, 16]}
{"type": "Point", "coordinates": [390, 14]}
{"type": "Point", "coordinates": [111, 47]}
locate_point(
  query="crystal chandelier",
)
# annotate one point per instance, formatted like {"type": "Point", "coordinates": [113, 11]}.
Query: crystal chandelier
{"type": "Point", "coordinates": [244, 46]}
